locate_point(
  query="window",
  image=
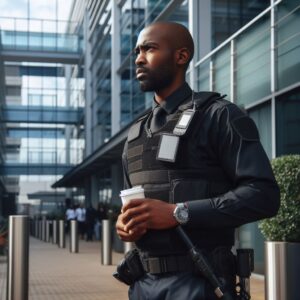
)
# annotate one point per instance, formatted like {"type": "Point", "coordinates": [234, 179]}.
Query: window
{"type": "Point", "coordinates": [288, 123]}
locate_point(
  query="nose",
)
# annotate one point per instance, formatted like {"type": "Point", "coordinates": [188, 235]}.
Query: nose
{"type": "Point", "coordinates": [140, 59]}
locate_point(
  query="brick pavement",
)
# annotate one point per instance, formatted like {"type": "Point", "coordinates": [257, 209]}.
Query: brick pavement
{"type": "Point", "coordinates": [57, 274]}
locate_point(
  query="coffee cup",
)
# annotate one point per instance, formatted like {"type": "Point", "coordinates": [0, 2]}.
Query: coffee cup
{"type": "Point", "coordinates": [136, 192]}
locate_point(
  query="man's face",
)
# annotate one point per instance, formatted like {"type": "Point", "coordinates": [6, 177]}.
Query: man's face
{"type": "Point", "coordinates": [155, 63]}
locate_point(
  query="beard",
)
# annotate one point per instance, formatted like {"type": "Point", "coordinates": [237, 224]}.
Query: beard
{"type": "Point", "coordinates": [155, 80]}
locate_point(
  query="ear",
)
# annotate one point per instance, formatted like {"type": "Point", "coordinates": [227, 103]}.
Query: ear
{"type": "Point", "coordinates": [182, 56]}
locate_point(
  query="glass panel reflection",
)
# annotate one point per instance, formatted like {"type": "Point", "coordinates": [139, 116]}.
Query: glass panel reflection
{"type": "Point", "coordinates": [38, 35]}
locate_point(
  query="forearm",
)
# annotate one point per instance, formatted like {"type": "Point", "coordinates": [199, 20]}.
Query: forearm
{"type": "Point", "coordinates": [244, 204]}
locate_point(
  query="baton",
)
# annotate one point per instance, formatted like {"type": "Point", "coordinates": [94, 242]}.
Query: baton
{"type": "Point", "coordinates": [203, 265]}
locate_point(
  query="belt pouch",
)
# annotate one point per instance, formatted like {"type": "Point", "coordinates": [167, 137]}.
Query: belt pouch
{"type": "Point", "coordinates": [130, 269]}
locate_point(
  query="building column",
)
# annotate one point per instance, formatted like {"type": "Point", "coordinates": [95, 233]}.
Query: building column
{"type": "Point", "coordinates": [88, 88]}
{"type": "Point", "coordinates": [68, 101]}
{"type": "Point", "coordinates": [91, 191]}
{"type": "Point", "coordinates": [115, 65]}
{"type": "Point", "coordinates": [94, 190]}
{"type": "Point", "coordinates": [200, 20]}
{"type": "Point", "coordinates": [273, 72]}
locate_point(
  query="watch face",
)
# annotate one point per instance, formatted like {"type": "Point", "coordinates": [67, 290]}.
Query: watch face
{"type": "Point", "coordinates": [181, 214]}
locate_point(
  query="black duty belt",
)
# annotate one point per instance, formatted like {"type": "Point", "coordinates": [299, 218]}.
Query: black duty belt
{"type": "Point", "coordinates": [167, 264]}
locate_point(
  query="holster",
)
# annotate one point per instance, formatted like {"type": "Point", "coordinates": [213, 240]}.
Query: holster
{"type": "Point", "coordinates": [130, 268]}
{"type": "Point", "coordinates": [223, 263]}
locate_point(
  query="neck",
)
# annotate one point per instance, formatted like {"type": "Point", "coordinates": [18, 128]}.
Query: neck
{"type": "Point", "coordinates": [162, 94]}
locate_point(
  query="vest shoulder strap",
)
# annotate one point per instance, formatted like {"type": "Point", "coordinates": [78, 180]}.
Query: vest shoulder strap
{"type": "Point", "coordinates": [201, 100]}
{"type": "Point", "coordinates": [135, 129]}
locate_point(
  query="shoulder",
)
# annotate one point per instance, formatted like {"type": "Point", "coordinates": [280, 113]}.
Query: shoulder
{"type": "Point", "coordinates": [232, 118]}
{"type": "Point", "coordinates": [218, 104]}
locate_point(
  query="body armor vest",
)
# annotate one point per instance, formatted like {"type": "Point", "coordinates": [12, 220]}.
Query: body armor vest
{"type": "Point", "coordinates": [192, 176]}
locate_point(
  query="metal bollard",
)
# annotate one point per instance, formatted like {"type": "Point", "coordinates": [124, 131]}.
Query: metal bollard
{"type": "Point", "coordinates": [40, 229]}
{"type": "Point", "coordinates": [106, 254]}
{"type": "Point", "coordinates": [18, 258]}
{"type": "Point", "coordinates": [128, 246]}
{"type": "Point", "coordinates": [54, 231]}
{"type": "Point", "coordinates": [31, 229]}
{"type": "Point", "coordinates": [48, 223]}
{"type": "Point", "coordinates": [74, 236]}
{"type": "Point", "coordinates": [61, 235]}
{"type": "Point", "coordinates": [282, 270]}
{"type": "Point", "coordinates": [44, 229]}
{"type": "Point", "coordinates": [36, 223]}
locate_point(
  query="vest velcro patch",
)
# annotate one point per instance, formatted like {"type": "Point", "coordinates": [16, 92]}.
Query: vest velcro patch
{"type": "Point", "coordinates": [245, 128]}
{"type": "Point", "coordinates": [135, 151]}
{"type": "Point", "coordinates": [135, 166]}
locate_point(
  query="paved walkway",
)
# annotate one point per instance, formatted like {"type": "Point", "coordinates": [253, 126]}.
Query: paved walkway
{"type": "Point", "coordinates": [57, 274]}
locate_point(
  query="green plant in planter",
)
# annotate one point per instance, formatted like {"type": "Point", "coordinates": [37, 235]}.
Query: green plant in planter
{"type": "Point", "coordinates": [285, 226]}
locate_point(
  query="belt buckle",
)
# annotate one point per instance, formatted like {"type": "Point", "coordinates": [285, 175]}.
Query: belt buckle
{"type": "Point", "coordinates": [154, 265]}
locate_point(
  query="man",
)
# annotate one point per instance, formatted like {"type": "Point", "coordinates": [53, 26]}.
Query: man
{"type": "Point", "coordinates": [80, 217]}
{"type": "Point", "coordinates": [218, 179]}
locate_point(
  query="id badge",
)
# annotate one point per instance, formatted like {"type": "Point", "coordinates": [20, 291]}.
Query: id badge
{"type": "Point", "coordinates": [184, 122]}
{"type": "Point", "coordinates": [168, 146]}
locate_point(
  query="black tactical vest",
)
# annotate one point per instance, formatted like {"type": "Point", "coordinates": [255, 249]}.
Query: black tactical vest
{"type": "Point", "coordinates": [191, 177]}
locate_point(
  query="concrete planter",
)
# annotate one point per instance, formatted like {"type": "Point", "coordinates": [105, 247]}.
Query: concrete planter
{"type": "Point", "coordinates": [282, 261]}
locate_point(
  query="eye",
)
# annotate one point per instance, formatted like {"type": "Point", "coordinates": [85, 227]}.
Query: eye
{"type": "Point", "coordinates": [148, 48]}
{"type": "Point", "coordinates": [136, 52]}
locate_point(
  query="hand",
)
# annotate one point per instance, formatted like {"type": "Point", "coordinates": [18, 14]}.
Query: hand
{"type": "Point", "coordinates": [148, 214]}
{"type": "Point", "coordinates": [133, 234]}
{"type": "Point", "coordinates": [139, 215]}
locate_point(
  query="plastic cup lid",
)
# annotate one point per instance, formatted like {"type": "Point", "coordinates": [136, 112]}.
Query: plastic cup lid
{"type": "Point", "coordinates": [134, 190]}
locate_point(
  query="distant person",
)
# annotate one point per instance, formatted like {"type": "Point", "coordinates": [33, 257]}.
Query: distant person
{"type": "Point", "coordinates": [90, 222]}
{"type": "Point", "coordinates": [70, 215]}
{"type": "Point", "coordinates": [80, 213]}
{"type": "Point", "coordinates": [68, 202]}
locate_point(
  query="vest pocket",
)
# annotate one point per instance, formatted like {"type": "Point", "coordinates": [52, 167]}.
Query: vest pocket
{"type": "Point", "coordinates": [183, 190]}
{"type": "Point", "coordinates": [157, 191]}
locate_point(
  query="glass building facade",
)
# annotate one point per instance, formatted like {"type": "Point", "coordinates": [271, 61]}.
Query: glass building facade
{"type": "Point", "coordinates": [42, 100]}
{"type": "Point", "coordinates": [246, 49]}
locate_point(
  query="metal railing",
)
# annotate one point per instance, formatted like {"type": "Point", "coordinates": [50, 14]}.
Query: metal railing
{"type": "Point", "coordinates": [257, 62]}
{"type": "Point", "coordinates": [226, 64]}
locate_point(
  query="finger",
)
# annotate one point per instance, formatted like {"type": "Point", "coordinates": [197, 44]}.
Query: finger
{"type": "Point", "coordinates": [137, 219]}
{"type": "Point", "coordinates": [137, 232]}
{"type": "Point", "coordinates": [135, 211]}
{"type": "Point", "coordinates": [132, 236]}
{"type": "Point", "coordinates": [124, 236]}
{"type": "Point", "coordinates": [122, 220]}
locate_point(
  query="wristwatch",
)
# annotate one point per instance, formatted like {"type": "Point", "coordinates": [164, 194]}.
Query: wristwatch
{"type": "Point", "coordinates": [181, 213]}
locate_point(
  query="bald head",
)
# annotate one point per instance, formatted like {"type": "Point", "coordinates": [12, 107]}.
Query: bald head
{"type": "Point", "coordinates": [175, 34]}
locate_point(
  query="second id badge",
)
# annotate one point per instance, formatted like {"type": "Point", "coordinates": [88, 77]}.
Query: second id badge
{"type": "Point", "coordinates": [168, 146]}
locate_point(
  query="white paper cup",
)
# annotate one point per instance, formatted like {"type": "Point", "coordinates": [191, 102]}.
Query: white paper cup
{"type": "Point", "coordinates": [137, 192]}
